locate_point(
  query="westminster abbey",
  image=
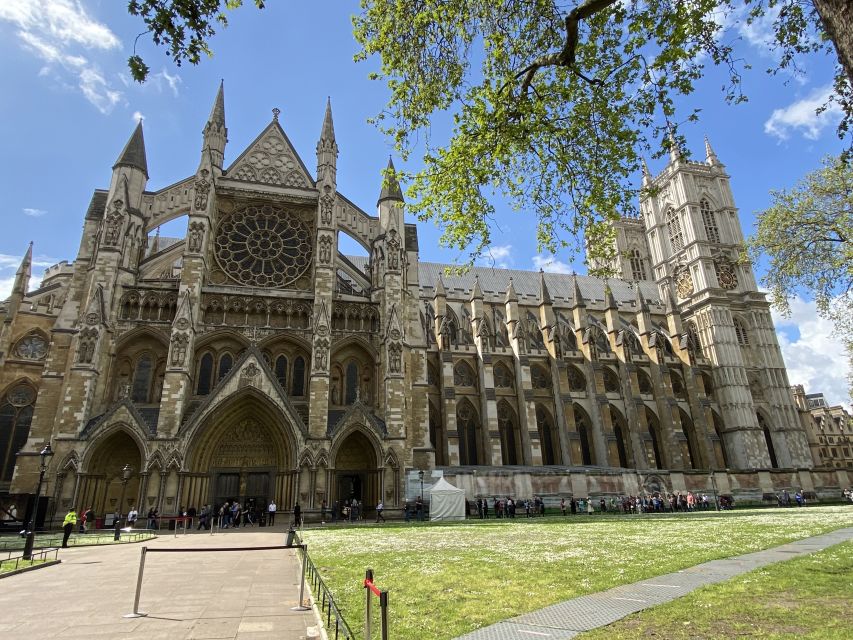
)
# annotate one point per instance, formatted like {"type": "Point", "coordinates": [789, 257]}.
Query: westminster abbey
{"type": "Point", "coordinates": [251, 359]}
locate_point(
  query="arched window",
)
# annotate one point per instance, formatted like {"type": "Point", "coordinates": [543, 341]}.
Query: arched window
{"type": "Point", "coordinates": [436, 434]}
{"type": "Point", "coordinates": [678, 389]}
{"type": "Point", "coordinates": [547, 437]}
{"type": "Point", "coordinates": [611, 381]}
{"type": "Point", "coordinates": [205, 375]}
{"type": "Point", "coordinates": [509, 438]}
{"type": "Point", "coordinates": [298, 388]}
{"type": "Point", "coordinates": [638, 265]}
{"type": "Point", "coordinates": [582, 424]}
{"type": "Point", "coordinates": [540, 378]}
{"type": "Point", "coordinates": [577, 380]}
{"type": "Point", "coordinates": [534, 332]}
{"type": "Point", "coordinates": [620, 446]}
{"type": "Point", "coordinates": [463, 375]}
{"type": "Point", "coordinates": [281, 371]}
{"type": "Point", "coordinates": [694, 346]}
{"type": "Point", "coordinates": [673, 225]}
{"type": "Point", "coordinates": [740, 333]}
{"type": "Point", "coordinates": [226, 361]}
{"type": "Point", "coordinates": [351, 383]}
{"type": "Point", "coordinates": [16, 415]}
{"type": "Point", "coordinates": [644, 382]}
{"type": "Point", "coordinates": [142, 373]}
{"type": "Point", "coordinates": [503, 377]}
{"type": "Point", "coordinates": [466, 424]}
{"type": "Point", "coordinates": [432, 375]}
{"type": "Point", "coordinates": [709, 220]}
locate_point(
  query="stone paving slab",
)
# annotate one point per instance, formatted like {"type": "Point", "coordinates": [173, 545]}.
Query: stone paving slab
{"type": "Point", "coordinates": [230, 595]}
{"type": "Point", "coordinates": [572, 617]}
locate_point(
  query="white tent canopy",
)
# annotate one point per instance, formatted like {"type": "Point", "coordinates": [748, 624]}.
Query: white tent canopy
{"type": "Point", "coordinates": [446, 502]}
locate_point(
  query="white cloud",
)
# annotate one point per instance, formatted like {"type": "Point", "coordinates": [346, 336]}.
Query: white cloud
{"type": "Point", "coordinates": [550, 264]}
{"type": "Point", "coordinates": [817, 359]}
{"type": "Point", "coordinates": [162, 79]}
{"type": "Point", "coordinates": [499, 256]}
{"type": "Point", "coordinates": [34, 213]}
{"type": "Point", "coordinates": [802, 115]}
{"type": "Point", "coordinates": [52, 30]}
{"type": "Point", "coordinates": [138, 116]}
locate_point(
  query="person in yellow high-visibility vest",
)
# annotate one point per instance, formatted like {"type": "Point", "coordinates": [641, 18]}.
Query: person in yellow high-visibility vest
{"type": "Point", "coordinates": [68, 526]}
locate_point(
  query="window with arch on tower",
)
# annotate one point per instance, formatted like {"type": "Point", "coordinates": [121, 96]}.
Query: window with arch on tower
{"type": "Point", "coordinates": [16, 415]}
{"type": "Point", "coordinates": [740, 333]}
{"type": "Point", "coordinates": [638, 265]}
{"type": "Point", "coordinates": [673, 226]}
{"type": "Point", "coordinates": [503, 377]}
{"type": "Point", "coordinates": [709, 220]}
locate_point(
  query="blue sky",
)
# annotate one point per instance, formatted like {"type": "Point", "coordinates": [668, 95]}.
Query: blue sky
{"type": "Point", "coordinates": [69, 106]}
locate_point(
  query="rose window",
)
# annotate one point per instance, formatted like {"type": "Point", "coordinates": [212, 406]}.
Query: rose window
{"type": "Point", "coordinates": [31, 348]}
{"type": "Point", "coordinates": [263, 246]}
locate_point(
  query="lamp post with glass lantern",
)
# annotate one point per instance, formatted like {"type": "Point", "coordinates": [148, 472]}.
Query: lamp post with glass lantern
{"type": "Point", "coordinates": [45, 454]}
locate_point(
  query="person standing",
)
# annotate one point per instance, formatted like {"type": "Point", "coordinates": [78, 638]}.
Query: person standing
{"type": "Point", "coordinates": [563, 506]}
{"type": "Point", "coordinates": [90, 519]}
{"type": "Point", "coordinates": [323, 512]}
{"type": "Point", "coordinates": [271, 513]}
{"type": "Point", "coordinates": [131, 517]}
{"type": "Point", "coordinates": [419, 509]}
{"type": "Point", "coordinates": [68, 526]}
{"type": "Point", "coordinates": [297, 515]}
{"type": "Point", "coordinates": [379, 508]}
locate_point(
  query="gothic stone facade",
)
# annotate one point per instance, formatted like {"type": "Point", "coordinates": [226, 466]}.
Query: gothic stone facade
{"type": "Point", "coordinates": [252, 359]}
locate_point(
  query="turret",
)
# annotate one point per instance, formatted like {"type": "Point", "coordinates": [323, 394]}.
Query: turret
{"type": "Point", "coordinates": [644, 316]}
{"type": "Point", "coordinates": [547, 319]}
{"type": "Point", "coordinates": [711, 158]}
{"type": "Point", "coordinates": [130, 171]}
{"type": "Point", "coordinates": [674, 148]}
{"type": "Point", "coordinates": [578, 304]}
{"type": "Point", "coordinates": [390, 200]}
{"type": "Point", "coordinates": [20, 286]}
{"type": "Point", "coordinates": [215, 133]}
{"type": "Point", "coordinates": [611, 310]}
{"type": "Point", "coordinates": [673, 316]}
{"type": "Point", "coordinates": [647, 176]}
{"type": "Point", "coordinates": [327, 149]}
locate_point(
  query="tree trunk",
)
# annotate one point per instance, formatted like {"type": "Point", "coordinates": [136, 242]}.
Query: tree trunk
{"type": "Point", "coordinates": [837, 19]}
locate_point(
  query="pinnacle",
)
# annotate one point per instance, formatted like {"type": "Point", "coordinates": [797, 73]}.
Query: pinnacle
{"type": "Point", "coordinates": [544, 294]}
{"type": "Point", "coordinates": [328, 131]}
{"type": "Point", "coordinates": [217, 113]}
{"type": "Point", "coordinates": [390, 186]}
{"type": "Point", "coordinates": [133, 154]}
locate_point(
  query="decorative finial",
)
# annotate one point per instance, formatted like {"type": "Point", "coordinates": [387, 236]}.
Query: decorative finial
{"type": "Point", "coordinates": [275, 113]}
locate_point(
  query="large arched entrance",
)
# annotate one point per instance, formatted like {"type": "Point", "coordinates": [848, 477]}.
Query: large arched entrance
{"type": "Point", "coordinates": [243, 451]}
{"type": "Point", "coordinates": [356, 469]}
{"type": "Point", "coordinates": [103, 486]}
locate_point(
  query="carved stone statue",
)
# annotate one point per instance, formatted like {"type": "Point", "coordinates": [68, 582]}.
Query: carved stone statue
{"type": "Point", "coordinates": [195, 236]}
{"type": "Point", "coordinates": [202, 190]}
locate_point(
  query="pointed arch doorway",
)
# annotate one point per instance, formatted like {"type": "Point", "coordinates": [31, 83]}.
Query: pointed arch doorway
{"type": "Point", "coordinates": [356, 470]}
{"type": "Point", "coordinates": [244, 451]}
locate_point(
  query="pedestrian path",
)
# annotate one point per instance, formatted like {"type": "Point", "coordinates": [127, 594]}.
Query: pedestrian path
{"type": "Point", "coordinates": [235, 594]}
{"type": "Point", "coordinates": [572, 617]}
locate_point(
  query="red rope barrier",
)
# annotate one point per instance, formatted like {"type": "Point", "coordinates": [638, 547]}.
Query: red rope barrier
{"type": "Point", "coordinates": [372, 587]}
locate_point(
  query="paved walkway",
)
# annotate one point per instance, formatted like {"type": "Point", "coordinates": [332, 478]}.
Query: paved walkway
{"type": "Point", "coordinates": [235, 594]}
{"type": "Point", "coordinates": [568, 619]}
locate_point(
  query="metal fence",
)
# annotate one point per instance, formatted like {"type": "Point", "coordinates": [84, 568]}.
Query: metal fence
{"type": "Point", "coordinates": [93, 537]}
{"type": "Point", "coordinates": [17, 562]}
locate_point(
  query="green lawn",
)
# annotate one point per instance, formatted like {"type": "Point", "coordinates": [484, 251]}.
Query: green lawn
{"type": "Point", "coordinates": [446, 580]}
{"type": "Point", "coordinates": [13, 565]}
{"type": "Point", "coordinates": [808, 597]}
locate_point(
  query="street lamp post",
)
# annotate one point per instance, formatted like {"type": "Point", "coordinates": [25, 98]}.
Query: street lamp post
{"type": "Point", "coordinates": [45, 454]}
{"type": "Point", "coordinates": [714, 488]}
{"type": "Point", "coordinates": [125, 476]}
{"type": "Point", "coordinates": [421, 478]}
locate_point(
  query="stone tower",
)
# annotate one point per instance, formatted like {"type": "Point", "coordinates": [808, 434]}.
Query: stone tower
{"type": "Point", "coordinates": [695, 241]}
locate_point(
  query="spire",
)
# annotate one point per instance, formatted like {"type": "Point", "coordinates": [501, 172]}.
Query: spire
{"type": "Point", "coordinates": [671, 306]}
{"type": "Point", "coordinates": [674, 149]}
{"type": "Point", "coordinates": [390, 185]}
{"type": "Point", "coordinates": [439, 288]}
{"type": "Point", "coordinates": [710, 157]}
{"type": "Point", "coordinates": [647, 177]}
{"type": "Point", "coordinates": [217, 113]}
{"type": "Point", "coordinates": [133, 154]}
{"type": "Point", "coordinates": [544, 294]}
{"type": "Point", "coordinates": [511, 295]}
{"type": "Point", "coordinates": [328, 131]}
{"type": "Point", "coordinates": [22, 276]}
{"type": "Point", "coordinates": [642, 305]}
{"type": "Point", "coordinates": [609, 300]}
{"type": "Point", "coordinates": [476, 292]}
{"type": "Point", "coordinates": [576, 292]}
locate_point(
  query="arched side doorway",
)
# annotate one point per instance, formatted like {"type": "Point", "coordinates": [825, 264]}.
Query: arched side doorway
{"type": "Point", "coordinates": [243, 451]}
{"type": "Point", "coordinates": [102, 485]}
{"type": "Point", "coordinates": [357, 473]}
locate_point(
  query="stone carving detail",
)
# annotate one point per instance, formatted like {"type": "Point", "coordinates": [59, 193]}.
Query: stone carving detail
{"type": "Point", "coordinates": [325, 251]}
{"type": "Point", "coordinates": [113, 224]}
{"type": "Point", "coordinates": [327, 203]}
{"type": "Point", "coordinates": [21, 395]}
{"type": "Point", "coordinates": [683, 282]}
{"type": "Point", "coordinates": [395, 351]}
{"type": "Point", "coordinates": [251, 370]}
{"type": "Point", "coordinates": [270, 162]}
{"type": "Point", "coordinates": [86, 345]}
{"type": "Point", "coordinates": [393, 250]}
{"type": "Point", "coordinates": [202, 190]}
{"type": "Point", "coordinates": [180, 341]}
{"type": "Point", "coordinates": [263, 246]}
{"type": "Point", "coordinates": [321, 355]}
{"type": "Point", "coordinates": [195, 236]}
{"type": "Point", "coordinates": [31, 347]}
{"type": "Point", "coordinates": [726, 275]}
{"type": "Point", "coordinates": [246, 444]}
